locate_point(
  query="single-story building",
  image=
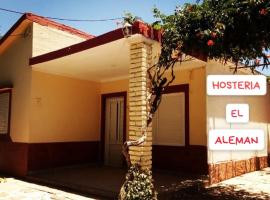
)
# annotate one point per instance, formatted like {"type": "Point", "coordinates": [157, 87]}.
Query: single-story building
{"type": "Point", "coordinates": [68, 98]}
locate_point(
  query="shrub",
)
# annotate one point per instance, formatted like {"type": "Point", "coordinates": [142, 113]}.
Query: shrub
{"type": "Point", "coordinates": [138, 185]}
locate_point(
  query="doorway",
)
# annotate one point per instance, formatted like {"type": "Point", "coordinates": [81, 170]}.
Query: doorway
{"type": "Point", "coordinates": [113, 133]}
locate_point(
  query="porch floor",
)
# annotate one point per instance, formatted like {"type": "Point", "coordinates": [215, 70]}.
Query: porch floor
{"type": "Point", "coordinates": [102, 181]}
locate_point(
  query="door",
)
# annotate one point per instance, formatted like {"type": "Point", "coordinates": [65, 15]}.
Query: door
{"type": "Point", "coordinates": [114, 131]}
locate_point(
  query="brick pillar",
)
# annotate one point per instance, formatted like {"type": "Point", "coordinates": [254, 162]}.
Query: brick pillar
{"type": "Point", "coordinates": [140, 60]}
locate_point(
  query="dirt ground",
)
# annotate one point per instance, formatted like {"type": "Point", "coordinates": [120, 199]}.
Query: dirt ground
{"type": "Point", "coordinates": [194, 191]}
{"type": "Point", "coordinates": [251, 186]}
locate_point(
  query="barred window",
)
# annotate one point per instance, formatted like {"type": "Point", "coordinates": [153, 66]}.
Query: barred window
{"type": "Point", "coordinates": [5, 98]}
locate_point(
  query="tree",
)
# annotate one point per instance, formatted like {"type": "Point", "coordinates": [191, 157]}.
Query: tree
{"type": "Point", "coordinates": [231, 30]}
{"type": "Point", "coordinates": [226, 30]}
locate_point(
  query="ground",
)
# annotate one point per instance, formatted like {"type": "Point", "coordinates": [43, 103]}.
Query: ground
{"type": "Point", "coordinates": [251, 186]}
{"type": "Point", "coordinates": [14, 189]}
{"type": "Point", "coordinates": [255, 185]}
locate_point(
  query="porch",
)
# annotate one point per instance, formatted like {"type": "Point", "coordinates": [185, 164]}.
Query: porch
{"type": "Point", "coordinates": [105, 182]}
{"type": "Point", "coordinates": [91, 97]}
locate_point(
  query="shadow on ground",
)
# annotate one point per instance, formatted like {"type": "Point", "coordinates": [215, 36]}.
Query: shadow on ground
{"type": "Point", "coordinates": [194, 190]}
{"type": "Point", "coordinates": [105, 182]}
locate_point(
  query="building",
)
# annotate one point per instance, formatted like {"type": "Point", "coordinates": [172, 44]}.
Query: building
{"type": "Point", "coordinates": [67, 97]}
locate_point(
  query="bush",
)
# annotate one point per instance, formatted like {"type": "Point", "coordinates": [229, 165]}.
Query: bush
{"type": "Point", "coordinates": [138, 185]}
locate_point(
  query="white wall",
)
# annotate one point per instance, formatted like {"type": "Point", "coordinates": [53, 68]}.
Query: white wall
{"type": "Point", "coordinates": [216, 116]}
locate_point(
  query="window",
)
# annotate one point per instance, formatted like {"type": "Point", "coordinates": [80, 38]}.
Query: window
{"type": "Point", "coordinates": [5, 99]}
{"type": "Point", "coordinates": [169, 121]}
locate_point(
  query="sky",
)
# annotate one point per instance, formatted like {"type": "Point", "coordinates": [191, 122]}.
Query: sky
{"type": "Point", "coordinates": [85, 9]}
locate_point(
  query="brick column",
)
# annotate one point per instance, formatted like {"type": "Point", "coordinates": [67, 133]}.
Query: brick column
{"type": "Point", "coordinates": [140, 60]}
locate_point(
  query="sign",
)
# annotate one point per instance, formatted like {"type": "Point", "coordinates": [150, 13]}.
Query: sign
{"type": "Point", "coordinates": [237, 113]}
{"type": "Point", "coordinates": [237, 85]}
{"type": "Point", "coordinates": [236, 139]}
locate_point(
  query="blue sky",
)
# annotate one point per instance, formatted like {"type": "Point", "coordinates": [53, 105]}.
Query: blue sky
{"type": "Point", "coordinates": [85, 9]}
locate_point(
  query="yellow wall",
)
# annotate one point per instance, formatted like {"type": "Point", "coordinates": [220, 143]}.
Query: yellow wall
{"type": "Point", "coordinates": [14, 70]}
{"type": "Point", "coordinates": [64, 109]}
{"type": "Point", "coordinates": [114, 86]}
{"type": "Point", "coordinates": [216, 116]}
{"type": "Point", "coordinates": [197, 102]}
{"type": "Point", "coordinates": [196, 80]}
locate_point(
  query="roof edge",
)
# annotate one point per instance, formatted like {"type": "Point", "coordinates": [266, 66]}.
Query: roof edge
{"type": "Point", "coordinates": [45, 22]}
{"type": "Point", "coordinates": [8, 33]}
{"type": "Point", "coordinates": [137, 28]}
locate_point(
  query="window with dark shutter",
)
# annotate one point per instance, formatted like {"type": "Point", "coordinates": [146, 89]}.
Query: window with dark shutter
{"type": "Point", "coordinates": [5, 96]}
{"type": "Point", "coordinates": [169, 121]}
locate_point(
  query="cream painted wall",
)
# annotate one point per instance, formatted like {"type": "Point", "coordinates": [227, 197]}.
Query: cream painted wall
{"type": "Point", "coordinates": [14, 70]}
{"type": "Point", "coordinates": [46, 39]}
{"type": "Point", "coordinates": [64, 109]}
{"type": "Point", "coordinates": [216, 117]}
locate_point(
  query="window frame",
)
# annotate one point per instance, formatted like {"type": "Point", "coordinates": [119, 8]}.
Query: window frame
{"type": "Point", "coordinates": [6, 137]}
{"type": "Point", "coordinates": [157, 114]}
{"type": "Point", "coordinates": [184, 88]}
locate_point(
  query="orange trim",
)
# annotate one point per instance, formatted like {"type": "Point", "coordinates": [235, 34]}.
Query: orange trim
{"type": "Point", "coordinates": [45, 22]}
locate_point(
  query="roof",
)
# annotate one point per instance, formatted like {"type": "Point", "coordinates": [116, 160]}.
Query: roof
{"type": "Point", "coordinates": [137, 28]}
{"type": "Point", "coordinates": [46, 22]}
{"type": "Point", "coordinates": [91, 41]}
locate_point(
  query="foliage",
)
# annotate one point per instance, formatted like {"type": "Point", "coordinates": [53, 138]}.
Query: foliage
{"type": "Point", "coordinates": [227, 30]}
{"type": "Point", "coordinates": [129, 18]}
{"type": "Point", "coordinates": [138, 185]}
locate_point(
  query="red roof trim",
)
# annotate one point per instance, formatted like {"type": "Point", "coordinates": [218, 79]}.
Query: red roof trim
{"type": "Point", "coordinates": [45, 22]}
{"type": "Point", "coordinates": [97, 41]}
{"type": "Point", "coordinates": [137, 28]}
{"type": "Point", "coordinates": [12, 29]}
